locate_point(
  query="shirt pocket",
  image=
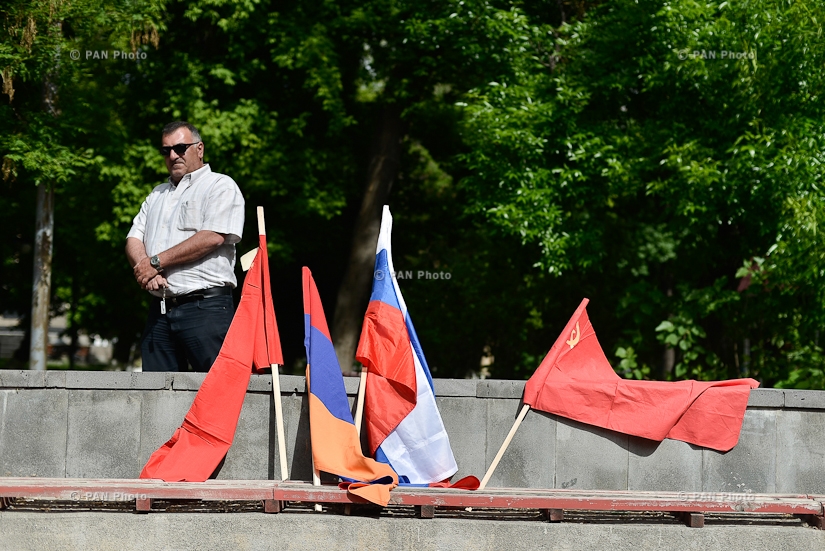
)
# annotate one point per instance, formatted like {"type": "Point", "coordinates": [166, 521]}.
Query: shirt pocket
{"type": "Point", "coordinates": [190, 217]}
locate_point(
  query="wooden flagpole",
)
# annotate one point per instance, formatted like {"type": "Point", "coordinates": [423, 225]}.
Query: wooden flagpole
{"type": "Point", "coordinates": [276, 386]}
{"type": "Point", "coordinates": [316, 481]}
{"type": "Point", "coordinates": [359, 404]}
{"type": "Point", "coordinates": [504, 446]}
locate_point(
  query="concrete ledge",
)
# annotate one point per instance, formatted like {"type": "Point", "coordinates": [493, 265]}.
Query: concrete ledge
{"type": "Point", "coordinates": [808, 399]}
{"type": "Point", "coordinates": [187, 381]}
{"type": "Point", "coordinates": [500, 389]}
{"type": "Point", "coordinates": [260, 383]}
{"type": "Point", "coordinates": [767, 398]}
{"type": "Point", "coordinates": [93, 531]}
{"type": "Point", "coordinates": [293, 384]}
{"type": "Point", "coordinates": [55, 379]}
{"type": "Point", "coordinates": [116, 380]}
{"type": "Point", "coordinates": [457, 388]}
{"type": "Point", "coordinates": [22, 379]}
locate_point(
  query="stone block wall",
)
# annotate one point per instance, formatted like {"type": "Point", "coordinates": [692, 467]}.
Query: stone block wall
{"type": "Point", "coordinates": [107, 424]}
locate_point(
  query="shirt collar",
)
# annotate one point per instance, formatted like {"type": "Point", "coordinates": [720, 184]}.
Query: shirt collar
{"type": "Point", "coordinates": [192, 177]}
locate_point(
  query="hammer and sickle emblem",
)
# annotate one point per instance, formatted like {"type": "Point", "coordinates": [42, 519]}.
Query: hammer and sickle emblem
{"type": "Point", "coordinates": [574, 336]}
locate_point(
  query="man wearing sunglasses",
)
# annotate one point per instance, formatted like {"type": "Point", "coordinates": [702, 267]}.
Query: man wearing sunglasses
{"type": "Point", "coordinates": [182, 250]}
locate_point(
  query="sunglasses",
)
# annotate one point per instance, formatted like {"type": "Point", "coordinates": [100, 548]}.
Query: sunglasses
{"type": "Point", "coordinates": [179, 149]}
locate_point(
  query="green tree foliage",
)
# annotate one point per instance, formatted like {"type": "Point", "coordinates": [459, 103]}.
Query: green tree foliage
{"type": "Point", "coordinates": [549, 151]}
{"type": "Point", "coordinates": [652, 149]}
{"type": "Point", "coordinates": [54, 134]}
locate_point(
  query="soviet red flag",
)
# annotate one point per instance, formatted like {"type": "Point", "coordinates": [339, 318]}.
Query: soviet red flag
{"type": "Point", "coordinates": [576, 381]}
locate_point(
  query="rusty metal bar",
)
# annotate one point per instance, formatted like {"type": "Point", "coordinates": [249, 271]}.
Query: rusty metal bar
{"type": "Point", "coordinates": [274, 496]}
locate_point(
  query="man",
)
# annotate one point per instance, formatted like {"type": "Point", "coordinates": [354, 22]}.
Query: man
{"type": "Point", "coordinates": [182, 250]}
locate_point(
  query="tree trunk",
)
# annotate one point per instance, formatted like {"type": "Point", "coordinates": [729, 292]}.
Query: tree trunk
{"type": "Point", "coordinates": [41, 286]}
{"type": "Point", "coordinates": [354, 293]}
{"type": "Point", "coordinates": [72, 316]}
{"type": "Point", "coordinates": [43, 241]}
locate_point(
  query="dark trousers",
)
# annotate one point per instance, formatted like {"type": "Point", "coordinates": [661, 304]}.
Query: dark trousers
{"type": "Point", "coordinates": [190, 333]}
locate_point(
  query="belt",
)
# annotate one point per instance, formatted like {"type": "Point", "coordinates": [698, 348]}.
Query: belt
{"type": "Point", "coordinates": [201, 294]}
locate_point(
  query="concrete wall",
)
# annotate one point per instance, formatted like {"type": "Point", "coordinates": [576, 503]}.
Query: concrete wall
{"type": "Point", "coordinates": [106, 424]}
{"type": "Point", "coordinates": [102, 531]}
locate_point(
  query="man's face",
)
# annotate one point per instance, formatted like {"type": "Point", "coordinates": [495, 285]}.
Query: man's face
{"type": "Point", "coordinates": [190, 161]}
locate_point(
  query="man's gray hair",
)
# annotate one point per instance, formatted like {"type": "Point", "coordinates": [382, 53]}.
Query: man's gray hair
{"type": "Point", "coordinates": [172, 126]}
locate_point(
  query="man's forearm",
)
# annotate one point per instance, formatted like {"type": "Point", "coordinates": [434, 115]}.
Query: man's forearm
{"type": "Point", "coordinates": [199, 245]}
{"type": "Point", "coordinates": [135, 250]}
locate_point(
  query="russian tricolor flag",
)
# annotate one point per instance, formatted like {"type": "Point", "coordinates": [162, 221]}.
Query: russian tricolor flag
{"type": "Point", "coordinates": [336, 448]}
{"type": "Point", "coordinates": [404, 427]}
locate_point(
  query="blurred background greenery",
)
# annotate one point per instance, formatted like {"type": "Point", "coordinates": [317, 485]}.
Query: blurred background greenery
{"type": "Point", "coordinates": [662, 158]}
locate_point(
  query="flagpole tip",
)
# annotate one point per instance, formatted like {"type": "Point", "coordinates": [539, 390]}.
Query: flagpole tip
{"type": "Point", "coordinates": [261, 226]}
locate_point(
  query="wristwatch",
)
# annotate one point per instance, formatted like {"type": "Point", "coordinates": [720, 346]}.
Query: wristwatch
{"type": "Point", "coordinates": [155, 262]}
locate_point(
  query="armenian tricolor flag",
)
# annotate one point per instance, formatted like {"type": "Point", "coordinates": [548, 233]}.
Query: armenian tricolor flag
{"type": "Point", "coordinates": [336, 448]}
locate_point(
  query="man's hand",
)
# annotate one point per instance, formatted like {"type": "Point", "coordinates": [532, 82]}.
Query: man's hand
{"type": "Point", "coordinates": [199, 245]}
{"type": "Point", "coordinates": [145, 273]}
{"type": "Point", "coordinates": [156, 283]}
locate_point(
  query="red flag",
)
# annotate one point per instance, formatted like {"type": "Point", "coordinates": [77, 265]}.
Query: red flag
{"type": "Point", "coordinates": [575, 380]}
{"type": "Point", "coordinates": [198, 446]}
{"type": "Point", "coordinates": [267, 340]}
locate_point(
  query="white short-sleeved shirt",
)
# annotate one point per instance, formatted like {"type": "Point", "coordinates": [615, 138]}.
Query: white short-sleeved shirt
{"type": "Point", "coordinates": [202, 200]}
